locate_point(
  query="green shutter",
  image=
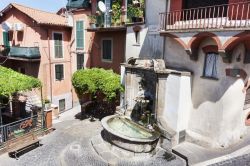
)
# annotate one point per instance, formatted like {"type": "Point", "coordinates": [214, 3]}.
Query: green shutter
{"type": "Point", "coordinates": [107, 50]}
{"type": "Point", "coordinates": [80, 61]}
{"type": "Point", "coordinates": [59, 72]}
{"type": "Point", "coordinates": [80, 34]}
{"type": "Point", "coordinates": [6, 39]}
{"type": "Point", "coordinates": [58, 46]}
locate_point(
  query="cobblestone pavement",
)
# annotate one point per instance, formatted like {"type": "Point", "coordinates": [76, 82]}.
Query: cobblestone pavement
{"type": "Point", "coordinates": [69, 145]}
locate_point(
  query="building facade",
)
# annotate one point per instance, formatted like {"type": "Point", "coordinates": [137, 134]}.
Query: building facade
{"type": "Point", "coordinates": [37, 43]}
{"type": "Point", "coordinates": [211, 41]}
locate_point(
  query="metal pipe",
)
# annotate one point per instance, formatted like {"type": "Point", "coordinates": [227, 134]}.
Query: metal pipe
{"type": "Point", "coordinates": [50, 72]}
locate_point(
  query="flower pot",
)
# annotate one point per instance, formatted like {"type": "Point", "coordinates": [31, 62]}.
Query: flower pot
{"type": "Point", "coordinates": [92, 25]}
{"type": "Point", "coordinates": [137, 19]}
{"type": "Point", "coordinates": [47, 106]}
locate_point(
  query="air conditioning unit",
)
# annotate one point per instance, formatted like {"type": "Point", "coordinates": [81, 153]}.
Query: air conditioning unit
{"type": "Point", "coordinates": [6, 26]}
{"type": "Point", "coordinates": [18, 26]}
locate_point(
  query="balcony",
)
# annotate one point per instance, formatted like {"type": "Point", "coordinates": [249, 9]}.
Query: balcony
{"type": "Point", "coordinates": [77, 4]}
{"type": "Point", "coordinates": [118, 17]}
{"type": "Point", "coordinates": [234, 16]}
{"type": "Point", "coordinates": [22, 53]}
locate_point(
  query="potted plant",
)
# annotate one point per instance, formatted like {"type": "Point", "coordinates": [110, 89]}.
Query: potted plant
{"type": "Point", "coordinates": [135, 12]}
{"type": "Point", "coordinates": [47, 104]}
{"type": "Point", "coordinates": [92, 21]}
{"type": "Point", "coordinates": [116, 12]}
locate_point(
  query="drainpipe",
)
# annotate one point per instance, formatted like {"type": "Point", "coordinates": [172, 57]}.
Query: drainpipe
{"type": "Point", "coordinates": [71, 72]}
{"type": "Point", "coordinates": [167, 9]}
{"type": "Point", "coordinates": [50, 74]}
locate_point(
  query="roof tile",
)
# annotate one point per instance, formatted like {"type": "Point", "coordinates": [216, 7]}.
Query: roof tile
{"type": "Point", "coordinates": [42, 17]}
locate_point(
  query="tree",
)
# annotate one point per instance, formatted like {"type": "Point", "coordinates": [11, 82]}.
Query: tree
{"type": "Point", "coordinates": [103, 86]}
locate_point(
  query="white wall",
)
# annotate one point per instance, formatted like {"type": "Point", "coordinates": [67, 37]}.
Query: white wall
{"type": "Point", "coordinates": [151, 44]}
{"type": "Point", "coordinates": [217, 106]}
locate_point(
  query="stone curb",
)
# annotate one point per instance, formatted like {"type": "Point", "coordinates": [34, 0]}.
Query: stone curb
{"type": "Point", "coordinates": [238, 153]}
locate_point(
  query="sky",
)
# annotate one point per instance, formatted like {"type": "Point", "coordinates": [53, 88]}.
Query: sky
{"type": "Point", "coordinates": [46, 5]}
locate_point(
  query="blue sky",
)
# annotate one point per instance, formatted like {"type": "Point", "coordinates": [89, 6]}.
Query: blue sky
{"type": "Point", "coordinates": [46, 5]}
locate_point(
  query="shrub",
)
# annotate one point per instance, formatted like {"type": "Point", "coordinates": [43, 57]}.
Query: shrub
{"type": "Point", "coordinates": [97, 82]}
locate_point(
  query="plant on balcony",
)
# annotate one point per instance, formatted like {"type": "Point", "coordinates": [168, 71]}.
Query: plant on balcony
{"type": "Point", "coordinates": [103, 86]}
{"type": "Point", "coordinates": [47, 103]}
{"type": "Point", "coordinates": [92, 21]}
{"type": "Point", "coordinates": [116, 12]}
{"type": "Point", "coordinates": [136, 12]}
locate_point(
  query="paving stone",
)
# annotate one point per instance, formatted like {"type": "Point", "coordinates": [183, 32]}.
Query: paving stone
{"type": "Point", "coordinates": [70, 145]}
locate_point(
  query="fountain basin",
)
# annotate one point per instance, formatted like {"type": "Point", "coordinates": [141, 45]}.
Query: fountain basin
{"type": "Point", "coordinates": [124, 133]}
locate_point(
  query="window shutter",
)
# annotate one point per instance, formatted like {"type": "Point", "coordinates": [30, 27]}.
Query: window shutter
{"type": "Point", "coordinates": [59, 72]}
{"type": "Point", "coordinates": [107, 50]}
{"type": "Point", "coordinates": [80, 61]}
{"type": "Point", "coordinates": [58, 47]}
{"type": "Point", "coordinates": [80, 34]}
{"type": "Point", "coordinates": [6, 39]}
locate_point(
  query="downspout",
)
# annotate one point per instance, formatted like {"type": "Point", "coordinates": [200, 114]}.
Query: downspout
{"type": "Point", "coordinates": [71, 71]}
{"type": "Point", "coordinates": [167, 9]}
{"type": "Point", "coordinates": [50, 74]}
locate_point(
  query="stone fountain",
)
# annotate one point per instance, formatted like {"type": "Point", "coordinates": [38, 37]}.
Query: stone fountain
{"type": "Point", "coordinates": [145, 118]}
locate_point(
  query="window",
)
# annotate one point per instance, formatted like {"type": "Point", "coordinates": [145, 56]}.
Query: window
{"type": "Point", "coordinates": [62, 105]}
{"type": "Point", "coordinates": [210, 66]}
{"type": "Point", "coordinates": [58, 46]}
{"type": "Point", "coordinates": [59, 72]}
{"type": "Point", "coordinates": [80, 61]}
{"type": "Point", "coordinates": [6, 39]}
{"type": "Point", "coordinates": [107, 49]}
{"type": "Point", "coordinates": [79, 34]}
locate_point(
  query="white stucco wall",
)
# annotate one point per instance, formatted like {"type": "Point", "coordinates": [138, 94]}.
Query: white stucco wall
{"type": "Point", "coordinates": [153, 8]}
{"type": "Point", "coordinates": [151, 44]}
{"type": "Point", "coordinates": [217, 106]}
{"type": "Point", "coordinates": [133, 49]}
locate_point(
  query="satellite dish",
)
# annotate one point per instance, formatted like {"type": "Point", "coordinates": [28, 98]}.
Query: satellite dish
{"type": "Point", "coordinates": [102, 6]}
{"type": "Point", "coordinates": [6, 26]}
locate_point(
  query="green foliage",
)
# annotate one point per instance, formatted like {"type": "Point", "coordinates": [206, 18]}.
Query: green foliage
{"type": "Point", "coordinates": [136, 11]}
{"type": "Point", "coordinates": [12, 81]}
{"type": "Point", "coordinates": [92, 18]}
{"type": "Point", "coordinates": [116, 10]}
{"type": "Point", "coordinates": [46, 101]}
{"type": "Point", "coordinates": [97, 80]}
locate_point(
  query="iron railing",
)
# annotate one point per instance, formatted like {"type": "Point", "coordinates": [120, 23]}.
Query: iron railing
{"type": "Point", "coordinates": [234, 16]}
{"type": "Point", "coordinates": [18, 128]}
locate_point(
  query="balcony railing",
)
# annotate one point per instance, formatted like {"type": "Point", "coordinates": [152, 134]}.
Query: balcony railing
{"type": "Point", "coordinates": [18, 128]}
{"type": "Point", "coordinates": [229, 16]}
{"type": "Point", "coordinates": [22, 52]}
